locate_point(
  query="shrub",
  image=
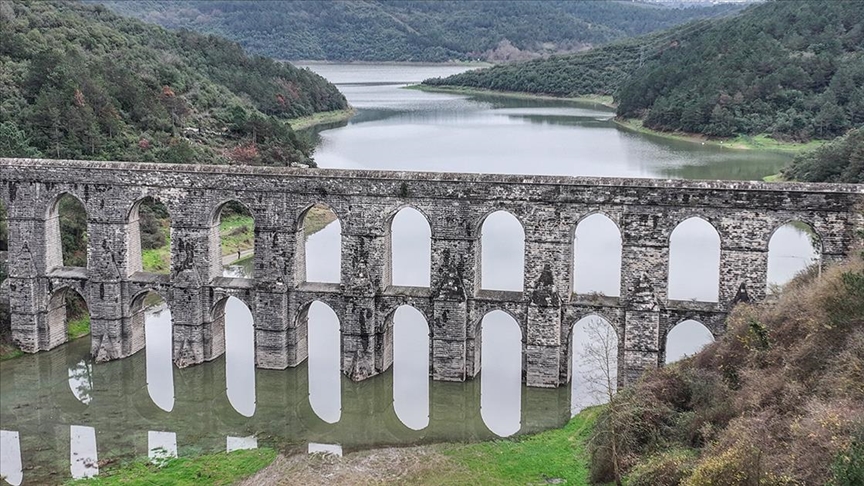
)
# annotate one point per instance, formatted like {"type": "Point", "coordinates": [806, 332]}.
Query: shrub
{"type": "Point", "coordinates": [668, 468]}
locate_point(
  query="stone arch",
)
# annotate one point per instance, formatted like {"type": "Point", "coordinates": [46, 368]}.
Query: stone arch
{"type": "Point", "coordinates": [215, 237]}
{"type": "Point", "coordinates": [592, 368]}
{"type": "Point", "coordinates": [324, 360]}
{"type": "Point", "coordinates": [327, 272]}
{"type": "Point", "coordinates": [54, 255]}
{"type": "Point", "coordinates": [611, 280]}
{"type": "Point", "coordinates": [701, 251]}
{"type": "Point", "coordinates": [240, 349]}
{"type": "Point", "coordinates": [134, 248]}
{"type": "Point", "coordinates": [420, 250]}
{"type": "Point", "coordinates": [502, 362]}
{"type": "Point", "coordinates": [411, 358]}
{"type": "Point", "coordinates": [793, 246]}
{"type": "Point", "coordinates": [157, 338]}
{"type": "Point", "coordinates": [696, 333]}
{"type": "Point", "coordinates": [56, 318]}
{"type": "Point", "coordinates": [513, 277]}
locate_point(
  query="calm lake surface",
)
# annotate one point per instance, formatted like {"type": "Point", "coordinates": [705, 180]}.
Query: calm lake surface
{"type": "Point", "coordinates": [62, 416]}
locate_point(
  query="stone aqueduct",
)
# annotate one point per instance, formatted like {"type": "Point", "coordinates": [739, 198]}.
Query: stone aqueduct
{"type": "Point", "coordinates": [745, 214]}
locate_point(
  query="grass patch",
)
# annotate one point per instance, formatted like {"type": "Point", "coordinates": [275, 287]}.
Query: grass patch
{"type": "Point", "coordinates": [78, 327]}
{"type": "Point", "coordinates": [215, 469]}
{"type": "Point", "coordinates": [606, 101]}
{"type": "Point", "coordinates": [157, 260]}
{"type": "Point", "coordinates": [321, 118]}
{"type": "Point", "coordinates": [9, 351]}
{"type": "Point", "coordinates": [558, 455]}
{"type": "Point", "coordinates": [741, 142]}
{"type": "Point", "coordinates": [238, 233]}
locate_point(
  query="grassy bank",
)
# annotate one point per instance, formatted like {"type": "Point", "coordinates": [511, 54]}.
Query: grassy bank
{"type": "Point", "coordinates": [595, 99]}
{"type": "Point", "coordinates": [552, 457]}
{"type": "Point", "coordinates": [78, 327]}
{"type": "Point", "coordinates": [321, 118]}
{"type": "Point", "coordinates": [741, 142]}
{"type": "Point", "coordinates": [215, 469]}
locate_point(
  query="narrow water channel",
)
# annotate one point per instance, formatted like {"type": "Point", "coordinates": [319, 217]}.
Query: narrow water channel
{"type": "Point", "coordinates": [61, 415]}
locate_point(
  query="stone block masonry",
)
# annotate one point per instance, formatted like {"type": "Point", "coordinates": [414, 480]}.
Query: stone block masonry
{"type": "Point", "coordinates": [745, 214]}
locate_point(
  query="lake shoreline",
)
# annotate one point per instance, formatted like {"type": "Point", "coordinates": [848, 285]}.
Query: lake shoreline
{"type": "Point", "coordinates": [321, 118]}
{"type": "Point", "coordinates": [605, 101]}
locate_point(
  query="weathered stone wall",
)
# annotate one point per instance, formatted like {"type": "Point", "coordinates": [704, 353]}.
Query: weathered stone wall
{"type": "Point", "coordinates": [745, 215]}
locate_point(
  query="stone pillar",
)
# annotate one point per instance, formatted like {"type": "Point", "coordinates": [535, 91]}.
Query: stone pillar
{"type": "Point", "coordinates": [545, 276]}
{"type": "Point", "coordinates": [743, 275]}
{"type": "Point", "coordinates": [112, 336]}
{"type": "Point", "coordinates": [455, 354]}
{"type": "Point", "coordinates": [363, 266]}
{"type": "Point", "coordinates": [194, 337]}
{"type": "Point", "coordinates": [26, 297]}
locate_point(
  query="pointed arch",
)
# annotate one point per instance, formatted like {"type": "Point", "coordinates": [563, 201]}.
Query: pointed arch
{"type": "Point", "coordinates": [318, 252]}
{"type": "Point", "coordinates": [66, 232]}
{"type": "Point", "coordinates": [597, 246]}
{"type": "Point", "coordinates": [239, 355]}
{"type": "Point", "coordinates": [151, 327]}
{"type": "Point", "coordinates": [594, 362]}
{"type": "Point", "coordinates": [502, 252]}
{"type": "Point", "coordinates": [793, 247]}
{"type": "Point", "coordinates": [410, 247]}
{"type": "Point", "coordinates": [148, 236]}
{"type": "Point", "coordinates": [686, 338]}
{"type": "Point", "coordinates": [411, 345]}
{"type": "Point", "coordinates": [501, 373]}
{"type": "Point", "coordinates": [694, 261]}
{"type": "Point", "coordinates": [66, 306]}
{"type": "Point", "coordinates": [325, 359]}
{"type": "Point", "coordinates": [232, 240]}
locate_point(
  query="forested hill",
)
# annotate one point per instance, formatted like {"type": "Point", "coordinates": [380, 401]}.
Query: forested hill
{"type": "Point", "coordinates": [398, 30]}
{"type": "Point", "coordinates": [791, 69]}
{"type": "Point", "coordinates": [81, 82]}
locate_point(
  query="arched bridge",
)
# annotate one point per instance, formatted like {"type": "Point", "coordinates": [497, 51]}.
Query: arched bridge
{"type": "Point", "coordinates": [745, 214]}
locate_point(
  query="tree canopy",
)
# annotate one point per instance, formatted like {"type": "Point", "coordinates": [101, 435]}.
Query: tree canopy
{"type": "Point", "coordinates": [78, 81]}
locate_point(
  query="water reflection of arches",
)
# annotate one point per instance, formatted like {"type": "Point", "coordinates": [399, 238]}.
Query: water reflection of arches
{"type": "Point", "coordinates": [686, 338]}
{"type": "Point", "coordinates": [237, 219]}
{"type": "Point", "coordinates": [793, 247]}
{"type": "Point", "coordinates": [501, 255]}
{"type": "Point", "coordinates": [594, 346]}
{"type": "Point", "coordinates": [144, 231]}
{"type": "Point", "coordinates": [410, 245]}
{"type": "Point", "coordinates": [66, 233]}
{"type": "Point", "coordinates": [597, 246]}
{"type": "Point", "coordinates": [694, 261]}
{"type": "Point", "coordinates": [320, 258]}
{"type": "Point", "coordinates": [322, 326]}
{"type": "Point", "coordinates": [238, 334]}
{"type": "Point", "coordinates": [501, 373]}
{"type": "Point", "coordinates": [151, 327]}
{"type": "Point", "coordinates": [411, 351]}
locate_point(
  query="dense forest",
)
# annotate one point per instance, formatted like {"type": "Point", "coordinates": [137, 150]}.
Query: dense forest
{"type": "Point", "coordinates": [793, 70]}
{"type": "Point", "coordinates": [399, 30]}
{"type": "Point", "coordinates": [841, 160]}
{"type": "Point", "coordinates": [81, 82]}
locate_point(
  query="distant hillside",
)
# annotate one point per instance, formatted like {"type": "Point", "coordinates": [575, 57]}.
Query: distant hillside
{"type": "Point", "coordinates": [842, 160]}
{"type": "Point", "coordinates": [398, 30]}
{"type": "Point", "coordinates": [78, 81]}
{"type": "Point", "coordinates": [794, 70]}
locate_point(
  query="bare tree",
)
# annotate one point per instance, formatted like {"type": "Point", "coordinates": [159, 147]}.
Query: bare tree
{"type": "Point", "coordinates": [599, 363]}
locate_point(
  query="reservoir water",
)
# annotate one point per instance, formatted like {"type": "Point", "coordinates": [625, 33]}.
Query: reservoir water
{"type": "Point", "coordinates": [63, 416]}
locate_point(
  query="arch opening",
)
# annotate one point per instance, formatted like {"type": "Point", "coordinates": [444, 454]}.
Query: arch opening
{"type": "Point", "coordinates": [501, 373]}
{"type": "Point", "coordinates": [694, 261]}
{"type": "Point", "coordinates": [793, 248]}
{"type": "Point", "coordinates": [325, 359]}
{"type": "Point", "coordinates": [502, 252]}
{"type": "Point", "coordinates": [597, 256]}
{"type": "Point", "coordinates": [232, 241]}
{"type": "Point", "coordinates": [687, 338]}
{"type": "Point", "coordinates": [319, 245]}
{"type": "Point", "coordinates": [148, 234]}
{"type": "Point", "coordinates": [68, 318]}
{"type": "Point", "coordinates": [410, 246]}
{"type": "Point", "coordinates": [66, 233]}
{"type": "Point", "coordinates": [411, 367]}
{"type": "Point", "coordinates": [594, 363]}
{"type": "Point", "coordinates": [239, 328]}
{"type": "Point", "coordinates": [152, 328]}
